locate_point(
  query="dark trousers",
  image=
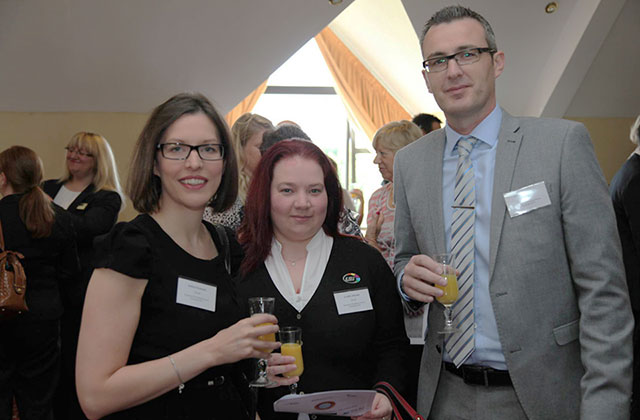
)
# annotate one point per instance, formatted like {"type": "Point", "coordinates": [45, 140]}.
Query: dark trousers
{"type": "Point", "coordinates": [66, 405]}
{"type": "Point", "coordinates": [414, 358]}
{"type": "Point", "coordinates": [635, 396]}
{"type": "Point", "coordinates": [29, 367]}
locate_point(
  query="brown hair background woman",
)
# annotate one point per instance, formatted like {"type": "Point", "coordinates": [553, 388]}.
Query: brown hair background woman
{"type": "Point", "coordinates": [43, 233]}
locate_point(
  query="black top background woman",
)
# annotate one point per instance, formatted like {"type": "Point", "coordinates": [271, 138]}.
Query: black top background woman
{"type": "Point", "coordinates": [90, 192]}
{"type": "Point", "coordinates": [43, 233]}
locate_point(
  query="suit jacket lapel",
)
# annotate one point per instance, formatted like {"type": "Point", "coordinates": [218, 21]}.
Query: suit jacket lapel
{"type": "Point", "coordinates": [433, 193]}
{"type": "Point", "coordinates": [509, 141]}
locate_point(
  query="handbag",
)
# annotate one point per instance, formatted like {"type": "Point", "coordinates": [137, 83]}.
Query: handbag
{"type": "Point", "coordinates": [222, 234]}
{"type": "Point", "coordinates": [401, 408]}
{"type": "Point", "coordinates": [13, 282]}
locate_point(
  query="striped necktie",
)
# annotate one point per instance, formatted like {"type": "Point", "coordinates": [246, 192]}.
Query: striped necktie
{"type": "Point", "coordinates": [460, 345]}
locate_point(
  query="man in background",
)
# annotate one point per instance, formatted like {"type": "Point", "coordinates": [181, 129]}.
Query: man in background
{"type": "Point", "coordinates": [427, 122]}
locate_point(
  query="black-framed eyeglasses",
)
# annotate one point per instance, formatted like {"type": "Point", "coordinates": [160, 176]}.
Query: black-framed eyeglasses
{"type": "Point", "coordinates": [464, 57]}
{"type": "Point", "coordinates": [78, 151]}
{"type": "Point", "coordinates": [181, 151]}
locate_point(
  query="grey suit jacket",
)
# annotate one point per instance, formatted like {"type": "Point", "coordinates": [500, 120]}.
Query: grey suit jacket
{"type": "Point", "coordinates": [557, 281]}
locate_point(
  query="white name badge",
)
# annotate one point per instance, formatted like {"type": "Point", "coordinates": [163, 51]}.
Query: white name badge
{"type": "Point", "coordinates": [527, 199]}
{"type": "Point", "coordinates": [351, 301]}
{"type": "Point", "coordinates": [196, 294]}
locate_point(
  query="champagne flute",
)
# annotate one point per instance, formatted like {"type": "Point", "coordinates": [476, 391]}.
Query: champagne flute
{"type": "Point", "coordinates": [262, 305]}
{"type": "Point", "coordinates": [450, 290]}
{"type": "Point", "coordinates": [291, 339]}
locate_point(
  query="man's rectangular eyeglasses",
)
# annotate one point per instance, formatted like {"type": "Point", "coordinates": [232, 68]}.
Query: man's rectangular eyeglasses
{"type": "Point", "coordinates": [78, 151]}
{"type": "Point", "coordinates": [464, 57]}
{"type": "Point", "coordinates": [180, 151]}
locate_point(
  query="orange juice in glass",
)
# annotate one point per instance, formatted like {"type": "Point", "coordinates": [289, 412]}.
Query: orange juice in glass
{"type": "Point", "coordinates": [295, 350]}
{"type": "Point", "coordinates": [450, 290]}
{"type": "Point", "coordinates": [447, 263]}
{"type": "Point", "coordinates": [291, 339]}
{"type": "Point", "coordinates": [266, 337]}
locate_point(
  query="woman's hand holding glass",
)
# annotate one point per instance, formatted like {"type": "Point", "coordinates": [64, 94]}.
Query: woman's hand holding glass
{"type": "Point", "coordinates": [279, 365]}
{"type": "Point", "coordinates": [241, 340]}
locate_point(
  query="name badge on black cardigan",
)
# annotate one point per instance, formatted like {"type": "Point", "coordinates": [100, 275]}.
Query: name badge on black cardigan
{"type": "Point", "coordinates": [353, 300]}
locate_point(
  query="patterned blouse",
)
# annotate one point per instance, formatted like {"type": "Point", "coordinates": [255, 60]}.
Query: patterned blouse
{"type": "Point", "coordinates": [231, 218]}
{"type": "Point", "coordinates": [379, 203]}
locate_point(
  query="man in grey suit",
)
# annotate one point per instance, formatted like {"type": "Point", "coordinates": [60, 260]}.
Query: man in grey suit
{"type": "Point", "coordinates": [543, 319]}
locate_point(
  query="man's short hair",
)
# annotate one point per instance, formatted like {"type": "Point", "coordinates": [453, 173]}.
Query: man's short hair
{"type": "Point", "coordinates": [425, 122]}
{"type": "Point", "coordinates": [451, 13]}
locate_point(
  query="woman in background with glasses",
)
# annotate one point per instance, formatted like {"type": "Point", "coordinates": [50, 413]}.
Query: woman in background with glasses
{"type": "Point", "coordinates": [246, 137]}
{"type": "Point", "coordinates": [90, 192]}
{"type": "Point", "coordinates": [162, 330]}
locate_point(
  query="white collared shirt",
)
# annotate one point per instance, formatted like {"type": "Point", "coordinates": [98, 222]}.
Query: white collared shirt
{"type": "Point", "coordinates": [318, 252]}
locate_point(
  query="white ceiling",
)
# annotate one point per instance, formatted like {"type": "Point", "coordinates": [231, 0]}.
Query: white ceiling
{"type": "Point", "coordinates": [128, 56]}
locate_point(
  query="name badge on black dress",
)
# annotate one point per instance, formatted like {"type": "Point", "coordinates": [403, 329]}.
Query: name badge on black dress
{"type": "Point", "coordinates": [196, 294]}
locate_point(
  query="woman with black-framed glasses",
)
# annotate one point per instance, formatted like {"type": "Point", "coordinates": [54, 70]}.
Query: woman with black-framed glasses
{"type": "Point", "coordinates": [90, 192]}
{"type": "Point", "coordinates": [162, 331]}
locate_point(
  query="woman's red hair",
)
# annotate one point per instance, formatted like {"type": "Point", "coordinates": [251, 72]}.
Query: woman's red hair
{"type": "Point", "coordinates": [256, 232]}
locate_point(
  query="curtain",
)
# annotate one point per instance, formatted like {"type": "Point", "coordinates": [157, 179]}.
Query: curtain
{"type": "Point", "coordinates": [246, 105]}
{"type": "Point", "coordinates": [367, 101]}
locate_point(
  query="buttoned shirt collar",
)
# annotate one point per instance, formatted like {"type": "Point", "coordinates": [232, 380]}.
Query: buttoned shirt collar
{"type": "Point", "coordinates": [487, 131]}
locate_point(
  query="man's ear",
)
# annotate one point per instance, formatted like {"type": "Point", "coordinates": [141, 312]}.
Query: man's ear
{"type": "Point", "coordinates": [498, 63]}
{"type": "Point", "coordinates": [426, 79]}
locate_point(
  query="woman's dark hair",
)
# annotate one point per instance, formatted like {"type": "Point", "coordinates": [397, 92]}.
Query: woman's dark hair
{"type": "Point", "coordinates": [283, 132]}
{"type": "Point", "coordinates": [256, 232]}
{"type": "Point", "coordinates": [144, 187]}
{"type": "Point", "coordinates": [23, 170]}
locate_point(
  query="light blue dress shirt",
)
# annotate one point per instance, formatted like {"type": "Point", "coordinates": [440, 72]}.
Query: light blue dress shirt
{"type": "Point", "coordinates": [488, 351]}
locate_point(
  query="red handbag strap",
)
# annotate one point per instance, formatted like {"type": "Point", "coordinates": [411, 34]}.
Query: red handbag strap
{"type": "Point", "coordinates": [1, 238]}
{"type": "Point", "coordinates": [397, 399]}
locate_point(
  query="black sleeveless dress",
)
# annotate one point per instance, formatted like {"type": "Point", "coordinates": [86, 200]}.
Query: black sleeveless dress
{"type": "Point", "coordinates": [141, 249]}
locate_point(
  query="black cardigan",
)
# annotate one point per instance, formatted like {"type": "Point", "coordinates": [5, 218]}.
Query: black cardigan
{"type": "Point", "coordinates": [93, 213]}
{"type": "Point", "coordinates": [351, 351]}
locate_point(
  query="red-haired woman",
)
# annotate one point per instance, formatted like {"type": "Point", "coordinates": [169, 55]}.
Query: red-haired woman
{"type": "Point", "coordinates": [295, 254]}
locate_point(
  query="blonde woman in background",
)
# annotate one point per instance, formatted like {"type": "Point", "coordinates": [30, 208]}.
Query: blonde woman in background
{"type": "Point", "coordinates": [387, 141]}
{"type": "Point", "coordinates": [90, 192]}
{"type": "Point", "coordinates": [246, 137]}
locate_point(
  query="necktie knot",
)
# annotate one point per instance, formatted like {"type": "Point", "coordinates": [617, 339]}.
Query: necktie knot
{"type": "Point", "coordinates": [465, 145]}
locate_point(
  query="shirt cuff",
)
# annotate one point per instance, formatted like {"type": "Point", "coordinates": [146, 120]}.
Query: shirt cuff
{"type": "Point", "coordinates": [414, 305]}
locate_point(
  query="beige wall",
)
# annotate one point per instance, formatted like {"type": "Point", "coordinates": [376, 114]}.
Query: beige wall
{"type": "Point", "coordinates": [610, 138]}
{"type": "Point", "coordinates": [49, 132]}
